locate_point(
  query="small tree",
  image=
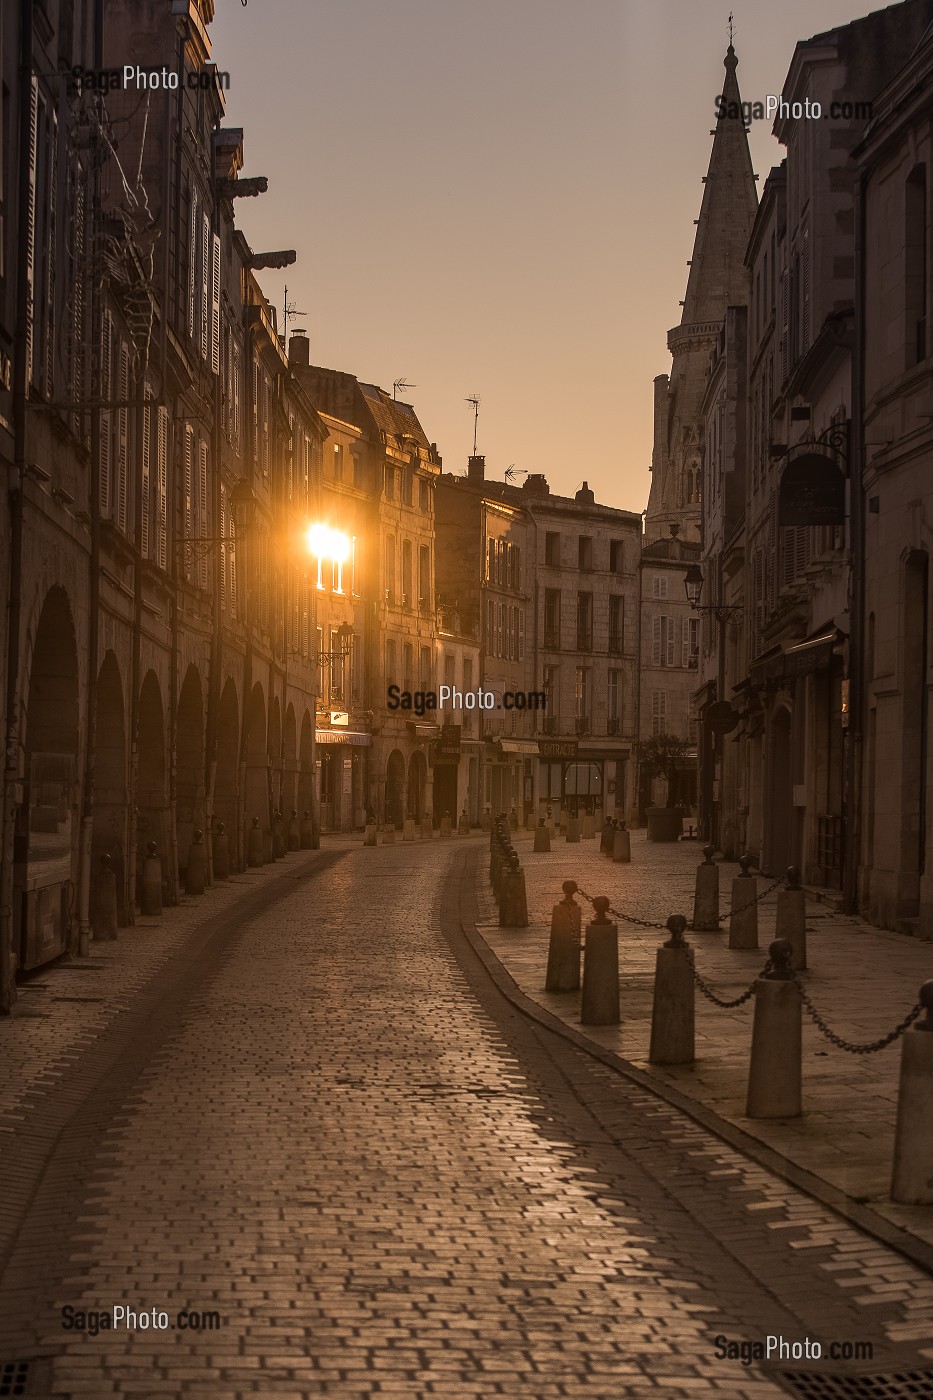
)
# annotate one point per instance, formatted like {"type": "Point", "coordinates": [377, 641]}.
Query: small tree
{"type": "Point", "coordinates": [663, 756]}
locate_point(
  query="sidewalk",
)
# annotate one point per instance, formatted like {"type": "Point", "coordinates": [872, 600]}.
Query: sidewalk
{"type": "Point", "coordinates": [862, 980]}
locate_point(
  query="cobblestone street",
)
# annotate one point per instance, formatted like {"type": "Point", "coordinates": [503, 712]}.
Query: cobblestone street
{"type": "Point", "coordinates": [305, 1105]}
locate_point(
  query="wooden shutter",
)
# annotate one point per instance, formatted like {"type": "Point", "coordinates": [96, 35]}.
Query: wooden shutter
{"type": "Point", "coordinates": [162, 467]}
{"type": "Point", "coordinates": [521, 634]}
{"type": "Point", "coordinates": [31, 221]}
{"type": "Point", "coordinates": [669, 640]}
{"type": "Point", "coordinates": [52, 197]}
{"type": "Point", "coordinates": [188, 501]}
{"type": "Point", "coordinates": [123, 449]}
{"type": "Point", "coordinates": [76, 367]}
{"type": "Point", "coordinates": [146, 485]}
{"type": "Point", "coordinates": [223, 548]}
{"type": "Point", "coordinates": [192, 263]}
{"type": "Point", "coordinates": [106, 393]}
{"type": "Point", "coordinates": [656, 641]}
{"type": "Point", "coordinates": [203, 512]}
{"type": "Point", "coordinates": [685, 641]}
{"type": "Point", "coordinates": [784, 325]}
{"type": "Point", "coordinates": [205, 286]}
{"type": "Point", "coordinates": [215, 304]}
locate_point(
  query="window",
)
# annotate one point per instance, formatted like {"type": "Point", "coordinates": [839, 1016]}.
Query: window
{"type": "Point", "coordinates": [658, 712]}
{"type": "Point", "coordinates": [408, 661]}
{"type": "Point", "coordinates": [320, 663]}
{"type": "Point", "coordinates": [552, 690]}
{"type": "Point", "coordinates": [617, 556]}
{"type": "Point", "coordinates": [406, 574]}
{"type": "Point", "coordinates": [550, 776]}
{"type": "Point", "coordinates": [659, 586]}
{"type": "Point", "coordinates": [424, 500]}
{"type": "Point", "coordinates": [552, 617]}
{"type": "Point", "coordinates": [582, 699]}
{"type": "Point", "coordinates": [338, 461]}
{"type": "Point", "coordinates": [407, 486]}
{"type": "Point", "coordinates": [614, 720]}
{"type": "Point", "coordinates": [552, 549]}
{"type": "Point", "coordinates": [356, 667]}
{"type": "Point", "coordinates": [390, 662]}
{"type": "Point", "coordinates": [585, 553]}
{"type": "Point", "coordinates": [467, 716]}
{"type": "Point", "coordinates": [584, 622]}
{"type": "Point", "coordinates": [915, 264]}
{"type": "Point", "coordinates": [424, 577]}
{"type": "Point", "coordinates": [520, 616]}
{"type": "Point", "coordinates": [616, 624]}
{"type": "Point", "coordinates": [449, 669]}
{"type": "Point", "coordinates": [357, 471]}
{"type": "Point", "coordinates": [491, 629]}
{"type": "Point", "coordinates": [691, 646]}
{"type": "Point", "coordinates": [662, 651]}
{"type": "Point", "coordinates": [389, 569]}
{"type": "Point", "coordinates": [583, 780]}
{"type": "Point", "coordinates": [490, 560]}
{"type": "Point", "coordinates": [427, 670]}
{"type": "Point", "coordinates": [337, 666]}
{"type": "Point", "coordinates": [389, 483]}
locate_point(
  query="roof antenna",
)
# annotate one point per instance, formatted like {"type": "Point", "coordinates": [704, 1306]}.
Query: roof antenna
{"type": "Point", "coordinates": [289, 313]}
{"type": "Point", "coordinates": [474, 400]}
{"type": "Point", "coordinates": [402, 384]}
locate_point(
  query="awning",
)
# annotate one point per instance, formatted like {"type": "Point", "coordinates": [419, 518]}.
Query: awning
{"type": "Point", "coordinates": [424, 731]}
{"type": "Point", "coordinates": [518, 745]}
{"type": "Point", "coordinates": [342, 736]}
{"type": "Point", "coordinates": [801, 659]}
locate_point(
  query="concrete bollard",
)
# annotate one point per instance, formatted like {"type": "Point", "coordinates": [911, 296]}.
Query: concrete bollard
{"type": "Point", "coordinates": [912, 1175]}
{"type": "Point", "coordinates": [563, 820]}
{"type": "Point", "coordinates": [408, 829]}
{"type": "Point", "coordinates": [196, 869]}
{"type": "Point", "coordinates": [792, 919]}
{"type": "Point", "coordinates": [672, 1030]}
{"type": "Point", "coordinates": [706, 895]}
{"type": "Point", "coordinates": [445, 824]}
{"type": "Point", "coordinates": [463, 825]}
{"type": "Point", "coordinates": [549, 818]}
{"type": "Point", "coordinates": [369, 834]}
{"type": "Point", "coordinates": [542, 837]}
{"type": "Point", "coordinates": [743, 911]}
{"type": "Point", "coordinates": [220, 852]}
{"type": "Point", "coordinates": [513, 903]}
{"type": "Point", "coordinates": [599, 1005]}
{"type": "Point", "coordinates": [514, 823]}
{"type": "Point", "coordinates": [306, 831]}
{"type": "Point", "coordinates": [105, 902]}
{"type": "Point", "coordinates": [563, 954]}
{"type": "Point", "coordinates": [278, 836]}
{"type": "Point", "coordinates": [589, 827]}
{"type": "Point", "coordinates": [774, 1073]}
{"type": "Point", "coordinates": [150, 889]}
{"type": "Point", "coordinates": [606, 837]}
{"type": "Point", "coordinates": [267, 849]}
{"type": "Point", "coordinates": [485, 820]}
{"type": "Point", "coordinates": [573, 828]}
{"type": "Point", "coordinates": [293, 834]}
{"type": "Point", "coordinates": [254, 852]}
{"type": "Point", "coordinates": [622, 845]}
{"type": "Point", "coordinates": [427, 827]}
{"type": "Point", "coordinates": [388, 833]}
{"type": "Point", "coordinates": [598, 818]}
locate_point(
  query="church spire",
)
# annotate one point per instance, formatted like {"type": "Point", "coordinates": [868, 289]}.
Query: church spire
{"type": "Point", "coordinates": [726, 213]}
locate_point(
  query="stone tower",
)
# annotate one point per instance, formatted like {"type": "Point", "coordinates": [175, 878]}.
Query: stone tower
{"type": "Point", "coordinates": [717, 279]}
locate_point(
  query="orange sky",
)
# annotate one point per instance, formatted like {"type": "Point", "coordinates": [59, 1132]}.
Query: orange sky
{"type": "Point", "coordinates": [497, 197]}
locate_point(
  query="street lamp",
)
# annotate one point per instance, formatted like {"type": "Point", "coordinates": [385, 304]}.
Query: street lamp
{"type": "Point", "coordinates": [693, 587]}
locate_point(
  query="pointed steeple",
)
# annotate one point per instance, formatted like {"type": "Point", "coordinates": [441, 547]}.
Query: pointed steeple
{"type": "Point", "coordinates": [726, 213]}
{"type": "Point", "coordinates": [717, 280]}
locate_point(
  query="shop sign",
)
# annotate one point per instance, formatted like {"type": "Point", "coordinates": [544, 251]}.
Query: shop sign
{"type": "Point", "coordinates": [721, 717]}
{"type": "Point", "coordinates": [812, 492]}
{"type": "Point", "coordinates": [447, 747]}
{"type": "Point", "coordinates": [557, 748]}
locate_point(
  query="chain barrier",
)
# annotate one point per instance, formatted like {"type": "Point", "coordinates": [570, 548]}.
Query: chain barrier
{"type": "Point", "coordinates": [759, 897]}
{"type": "Point", "coordinates": [647, 923]}
{"type": "Point", "coordinates": [711, 995]}
{"type": "Point", "coordinates": [854, 1047]}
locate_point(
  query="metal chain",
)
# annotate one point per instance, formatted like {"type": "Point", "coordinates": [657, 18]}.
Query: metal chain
{"type": "Point", "coordinates": [626, 918]}
{"type": "Point", "coordinates": [853, 1047]}
{"type": "Point", "coordinates": [711, 995]}
{"type": "Point", "coordinates": [759, 897]}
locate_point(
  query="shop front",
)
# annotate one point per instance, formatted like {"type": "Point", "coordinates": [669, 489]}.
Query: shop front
{"type": "Point", "coordinates": [341, 776]}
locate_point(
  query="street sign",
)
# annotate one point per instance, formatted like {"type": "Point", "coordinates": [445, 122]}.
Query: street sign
{"type": "Point", "coordinates": [812, 492]}
{"type": "Point", "coordinates": [721, 717]}
{"type": "Point", "coordinates": [557, 748]}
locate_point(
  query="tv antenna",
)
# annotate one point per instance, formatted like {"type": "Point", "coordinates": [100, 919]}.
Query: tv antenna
{"type": "Point", "coordinates": [474, 400]}
{"type": "Point", "coordinates": [289, 313]}
{"type": "Point", "coordinates": [402, 384]}
{"type": "Point", "coordinates": [512, 471]}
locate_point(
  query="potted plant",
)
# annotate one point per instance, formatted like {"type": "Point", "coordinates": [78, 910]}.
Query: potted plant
{"type": "Point", "coordinates": [663, 756]}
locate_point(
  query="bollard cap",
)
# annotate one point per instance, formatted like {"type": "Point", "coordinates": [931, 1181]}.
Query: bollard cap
{"type": "Point", "coordinates": [307, 814]}
{"type": "Point", "coordinates": [221, 828]}
{"type": "Point", "coordinates": [926, 1001]}
{"type": "Point", "coordinates": [540, 821]}
{"type": "Point", "coordinates": [197, 836]}
{"type": "Point", "coordinates": [294, 811]}
{"type": "Point", "coordinates": [675, 927]}
{"type": "Point", "coordinates": [622, 825]}
{"type": "Point", "coordinates": [792, 876]}
{"type": "Point", "coordinates": [600, 904]}
{"type": "Point", "coordinates": [513, 863]}
{"type": "Point", "coordinates": [780, 953]}
{"type": "Point", "coordinates": [255, 824]}
{"type": "Point", "coordinates": [708, 852]}
{"type": "Point", "coordinates": [569, 888]}
{"type": "Point", "coordinates": [744, 863]}
{"type": "Point", "coordinates": [151, 848]}
{"type": "Point", "coordinates": [105, 862]}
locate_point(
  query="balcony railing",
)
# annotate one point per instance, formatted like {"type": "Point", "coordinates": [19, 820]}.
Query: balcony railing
{"type": "Point", "coordinates": [613, 724]}
{"type": "Point", "coordinates": [583, 724]}
{"type": "Point", "coordinates": [552, 639]}
{"type": "Point", "coordinates": [584, 639]}
{"type": "Point", "coordinates": [551, 724]}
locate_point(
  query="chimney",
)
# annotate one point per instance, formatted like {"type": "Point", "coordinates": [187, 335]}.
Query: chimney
{"type": "Point", "coordinates": [535, 484]}
{"type": "Point", "coordinates": [476, 469]}
{"type": "Point", "coordinates": [585, 496]}
{"type": "Point", "coordinates": [299, 350]}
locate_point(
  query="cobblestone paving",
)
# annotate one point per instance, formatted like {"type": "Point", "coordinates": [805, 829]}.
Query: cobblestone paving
{"type": "Point", "coordinates": [864, 980]}
{"type": "Point", "coordinates": [388, 1182]}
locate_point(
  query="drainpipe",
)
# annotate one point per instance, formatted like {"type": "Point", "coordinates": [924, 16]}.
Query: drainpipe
{"type": "Point", "coordinates": [636, 761]}
{"type": "Point", "coordinates": [851, 806]}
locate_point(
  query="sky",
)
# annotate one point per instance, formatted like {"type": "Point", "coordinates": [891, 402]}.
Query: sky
{"type": "Point", "coordinates": [496, 198]}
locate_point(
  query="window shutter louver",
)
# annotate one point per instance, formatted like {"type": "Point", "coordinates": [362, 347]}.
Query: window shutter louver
{"type": "Point", "coordinates": [224, 560]}
{"type": "Point", "coordinates": [146, 485]}
{"type": "Point", "coordinates": [685, 641]}
{"type": "Point", "coordinates": [205, 308]}
{"type": "Point", "coordinates": [669, 629]}
{"type": "Point", "coordinates": [76, 367]}
{"type": "Point", "coordinates": [162, 466]}
{"type": "Point", "coordinates": [31, 222]}
{"type": "Point", "coordinates": [188, 504]}
{"type": "Point", "coordinates": [123, 451]}
{"type": "Point", "coordinates": [49, 309]}
{"type": "Point", "coordinates": [193, 264]}
{"type": "Point", "coordinates": [656, 642]}
{"type": "Point", "coordinates": [521, 634]}
{"type": "Point", "coordinates": [203, 514]}
{"type": "Point", "coordinates": [805, 290]}
{"type": "Point", "coordinates": [784, 325]}
{"type": "Point", "coordinates": [215, 304]}
{"type": "Point", "coordinates": [106, 393]}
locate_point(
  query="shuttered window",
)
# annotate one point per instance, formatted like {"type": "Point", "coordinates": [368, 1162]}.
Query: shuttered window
{"type": "Point", "coordinates": [123, 446]}
{"type": "Point", "coordinates": [106, 428]}
{"type": "Point", "coordinates": [215, 304]}
{"type": "Point", "coordinates": [162, 486]}
{"type": "Point", "coordinates": [145, 485]}
{"type": "Point", "coordinates": [203, 525]}
{"type": "Point", "coordinates": [193, 264]}
{"type": "Point", "coordinates": [658, 712]}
